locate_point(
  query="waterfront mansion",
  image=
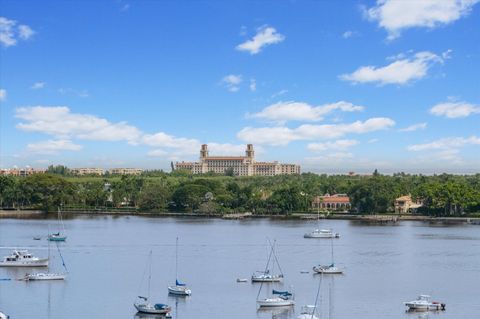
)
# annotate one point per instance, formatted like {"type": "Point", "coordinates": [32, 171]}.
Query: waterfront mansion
{"type": "Point", "coordinates": [241, 165]}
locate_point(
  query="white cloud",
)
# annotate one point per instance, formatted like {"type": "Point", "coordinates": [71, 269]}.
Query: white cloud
{"type": "Point", "coordinates": [53, 146]}
{"type": "Point", "coordinates": [396, 16]}
{"type": "Point", "coordinates": [281, 135]}
{"type": "Point", "coordinates": [60, 122]}
{"type": "Point", "coordinates": [82, 93]}
{"type": "Point", "coordinates": [414, 127]}
{"type": "Point", "coordinates": [38, 85]}
{"type": "Point", "coordinates": [232, 82]}
{"type": "Point", "coordinates": [10, 33]}
{"type": "Point", "coordinates": [401, 71]}
{"type": "Point", "coordinates": [279, 93]}
{"type": "Point", "coordinates": [454, 109]}
{"type": "Point", "coordinates": [253, 85]}
{"type": "Point", "coordinates": [348, 34]}
{"type": "Point", "coordinates": [3, 95]}
{"type": "Point", "coordinates": [329, 157]}
{"type": "Point", "coordinates": [298, 111]}
{"type": "Point", "coordinates": [157, 153]}
{"type": "Point", "coordinates": [333, 145]}
{"type": "Point", "coordinates": [373, 140]}
{"type": "Point", "coordinates": [448, 143]}
{"type": "Point", "coordinates": [161, 139]}
{"type": "Point", "coordinates": [265, 36]}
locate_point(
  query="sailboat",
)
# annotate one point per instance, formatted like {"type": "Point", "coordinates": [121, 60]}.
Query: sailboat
{"type": "Point", "coordinates": [266, 276]}
{"type": "Point", "coordinates": [328, 269]}
{"type": "Point", "coordinates": [321, 233]}
{"type": "Point", "coordinates": [58, 236]}
{"type": "Point", "coordinates": [143, 305]}
{"type": "Point", "coordinates": [179, 289]}
{"type": "Point", "coordinates": [3, 316]}
{"type": "Point", "coordinates": [310, 311]}
{"type": "Point", "coordinates": [49, 275]}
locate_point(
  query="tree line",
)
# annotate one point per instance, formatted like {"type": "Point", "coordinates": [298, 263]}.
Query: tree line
{"type": "Point", "coordinates": [443, 195]}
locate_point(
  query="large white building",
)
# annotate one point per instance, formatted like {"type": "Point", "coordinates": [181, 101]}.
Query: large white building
{"type": "Point", "coordinates": [241, 165]}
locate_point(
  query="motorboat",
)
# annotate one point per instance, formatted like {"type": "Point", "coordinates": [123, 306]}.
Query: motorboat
{"type": "Point", "coordinates": [242, 280]}
{"type": "Point", "coordinates": [266, 277]}
{"type": "Point", "coordinates": [146, 307]}
{"type": "Point", "coordinates": [45, 276]}
{"type": "Point", "coordinates": [322, 233]}
{"type": "Point", "coordinates": [327, 269]}
{"type": "Point", "coordinates": [308, 312]}
{"type": "Point", "coordinates": [179, 289]}
{"type": "Point", "coordinates": [423, 303]}
{"type": "Point", "coordinates": [279, 299]}
{"type": "Point", "coordinates": [22, 258]}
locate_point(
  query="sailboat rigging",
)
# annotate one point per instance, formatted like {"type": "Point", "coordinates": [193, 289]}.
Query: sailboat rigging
{"type": "Point", "coordinates": [266, 275]}
{"type": "Point", "coordinates": [179, 289]}
{"type": "Point", "coordinates": [59, 236]}
{"type": "Point", "coordinates": [328, 269]}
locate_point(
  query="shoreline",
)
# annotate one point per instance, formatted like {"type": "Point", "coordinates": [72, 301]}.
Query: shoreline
{"type": "Point", "coordinates": [376, 219]}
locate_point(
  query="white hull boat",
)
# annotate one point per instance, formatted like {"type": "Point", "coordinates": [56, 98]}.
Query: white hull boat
{"type": "Point", "coordinates": [266, 278]}
{"type": "Point", "coordinates": [322, 233]}
{"type": "Point", "coordinates": [22, 258]}
{"type": "Point", "coordinates": [327, 269]}
{"type": "Point", "coordinates": [423, 303]}
{"type": "Point", "coordinates": [156, 309]}
{"type": "Point", "coordinates": [3, 316]}
{"type": "Point", "coordinates": [45, 276]}
{"type": "Point", "coordinates": [275, 302]}
{"type": "Point", "coordinates": [179, 290]}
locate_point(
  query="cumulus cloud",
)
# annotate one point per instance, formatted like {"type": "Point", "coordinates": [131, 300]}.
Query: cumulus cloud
{"type": "Point", "coordinates": [396, 16]}
{"type": "Point", "coordinates": [332, 145]}
{"type": "Point", "coordinates": [265, 36]}
{"type": "Point", "coordinates": [232, 82]}
{"type": "Point", "coordinates": [253, 85]}
{"type": "Point", "coordinates": [281, 135]}
{"type": "Point", "coordinates": [446, 143]}
{"type": "Point", "coordinates": [401, 71]}
{"type": "Point", "coordinates": [60, 122]}
{"type": "Point", "coordinates": [414, 127]}
{"type": "Point", "coordinates": [298, 111]}
{"type": "Point", "coordinates": [3, 95]}
{"type": "Point", "coordinates": [53, 146]}
{"type": "Point", "coordinates": [11, 33]}
{"type": "Point", "coordinates": [454, 109]}
{"type": "Point", "coordinates": [38, 85]}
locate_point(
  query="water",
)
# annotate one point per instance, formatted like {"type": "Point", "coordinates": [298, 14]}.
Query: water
{"type": "Point", "coordinates": [107, 257]}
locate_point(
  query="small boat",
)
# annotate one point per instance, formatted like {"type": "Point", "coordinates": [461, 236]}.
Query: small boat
{"type": "Point", "coordinates": [279, 299]}
{"type": "Point", "coordinates": [3, 316]}
{"type": "Point", "coordinates": [179, 289]}
{"type": "Point", "coordinates": [58, 236]}
{"type": "Point", "coordinates": [37, 238]}
{"type": "Point", "coordinates": [321, 233]}
{"type": "Point", "coordinates": [242, 280]}
{"type": "Point", "coordinates": [146, 307]}
{"type": "Point", "coordinates": [423, 303]}
{"type": "Point", "coordinates": [143, 305]}
{"type": "Point", "coordinates": [327, 269]}
{"type": "Point", "coordinates": [308, 312]}
{"type": "Point", "coordinates": [45, 276]}
{"type": "Point", "coordinates": [22, 258]}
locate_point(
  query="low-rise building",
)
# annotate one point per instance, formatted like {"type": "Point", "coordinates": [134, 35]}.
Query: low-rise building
{"type": "Point", "coordinates": [87, 171]}
{"type": "Point", "coordinates": [332, 202]}
{"type": "Point", "coordinates": [125, 171]}
{"type": "Point", "coordinates": [22, 171]}
{"type": "Point", "coordinates": [405, 204]}
{"type": "Point", "coordinates": [241, 165]}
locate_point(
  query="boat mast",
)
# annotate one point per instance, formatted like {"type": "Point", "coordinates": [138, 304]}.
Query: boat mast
{"type": "Point", "coordinates": [275, 256]}
{"type": "Point", "coordinates": [331, 238]}
{"type": "Point", "coordinates": [176, 260]}
{"type": "Point", "coordinates": [149, 273]}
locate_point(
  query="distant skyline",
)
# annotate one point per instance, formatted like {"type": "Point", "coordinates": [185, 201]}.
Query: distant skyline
{"type": "Point", "coordinates": [334, 86]}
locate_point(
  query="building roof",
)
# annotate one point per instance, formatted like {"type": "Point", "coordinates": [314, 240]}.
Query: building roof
{"type": "Point", "coordinates": [404, 198]}
{"type": "Point", "coordinates": [217, 158]}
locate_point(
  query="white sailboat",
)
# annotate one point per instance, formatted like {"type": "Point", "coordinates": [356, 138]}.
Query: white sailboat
{"type": "Point", "coordinates": [328, 269]}
{"type": "Point", "coordinates": [310, 311]}
{"type": "Point", "coordinates": [179, 289]}
{"type": "Point", "coordinates": [49, 275]}
{"type": "Point", "coordinates": [143, 305]}
{"type": "Point", "coordinates": [22, 258]}
{"type": "Point", "coordinates": [266, 275]}
{"type": "Point", "coordinates": [278, 299]}
{"type": "Point", "coordinates": [3, 316]}
{"type": "Point", "coordinates": [58, 236]}
{"type": "Point", "coordinates": [321, 233]}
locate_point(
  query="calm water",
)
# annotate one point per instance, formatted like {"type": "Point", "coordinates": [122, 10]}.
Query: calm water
{"type": "Point", "coordinates": [107, 257]}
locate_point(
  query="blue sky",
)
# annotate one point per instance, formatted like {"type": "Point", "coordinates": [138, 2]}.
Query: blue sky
{"type": "Point", "coordinates": [335, 86]}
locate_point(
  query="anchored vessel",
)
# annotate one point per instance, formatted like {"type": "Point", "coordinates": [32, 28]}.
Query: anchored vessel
{"type": "Point", "coordinates": [22, 258]}
{"type": "Point", "coordinates": [308, 312]}
{"type": "Point", "coordinates": [266, 276]}
{"type": "Point", "coordinates": [423, 303]}
{"type": "Point", "coordinates": [278, 299]}
{"type": "Point", "coordinates": [179, 288]}
{"type": "Point", "coordinates": [58, 236]}
{"type": "Point", "coordinates": [328, 269]}
{"type": "Point", "coordinates": [3, 316]}
{"type": "Point", "coordinates": [321, 233]}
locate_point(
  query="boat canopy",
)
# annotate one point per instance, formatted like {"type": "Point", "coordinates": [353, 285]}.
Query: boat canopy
{"type": "Point", "coordinates": [283, 293]}
{"type": "Point", "coordinates": [178, 283]}
{"type": "Point", "coordinates": [160, 306]}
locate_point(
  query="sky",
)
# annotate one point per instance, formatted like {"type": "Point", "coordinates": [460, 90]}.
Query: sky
{"type": "Point", "coordinates": [334, 86]}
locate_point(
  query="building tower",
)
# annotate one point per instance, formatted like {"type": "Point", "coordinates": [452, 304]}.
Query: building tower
{"type": "Point", "coordinates": [250, 153]}
{"type": "Point", "coordinates": [203, 152]}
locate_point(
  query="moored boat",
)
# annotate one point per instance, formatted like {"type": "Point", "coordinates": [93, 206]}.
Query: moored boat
{"type": "Point", "coordinates": [423, 303]}
{"type": "Point", "coordinates": [327, 269]}
{"type": "Point", "coordinates": [22, 258]}
{"type": "Point", "coordinates": [45, 276]}
{"type": "Point", "coordinates": [308, 312]}
{"type": "Point", "coordinates": [3, 316]}
{"type": "Point", "coordinates": [266, 277]}
{"type": "Point", "coordinates": [322, 233]}
{"type": "Point", "coordinates": [279, 299]}
{"type": "Point", "coordinates": [146, 307]}
{"type": "Point", "coordinates": [179, 289]}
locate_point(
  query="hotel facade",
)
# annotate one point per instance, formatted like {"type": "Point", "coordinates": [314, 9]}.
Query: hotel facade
{"type": "Point", "coordinates": [241, 165]}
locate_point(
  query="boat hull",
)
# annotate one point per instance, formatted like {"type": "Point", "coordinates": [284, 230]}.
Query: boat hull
{"type": "Point", "coordinates": [179, 290]}
{"type": "Point", "coordinates": [275, 302]}
{"type": "Point", "coordinates": [150, 309]}
{"type": "Point", "coordinates": [268, 278]}
{"type": "Point", "coordinates": [327, 270]}
{"type": "Point", "coordinates": [25, 263]}
{"type": "Point", "coordinates": [45, 276]}
{"type": "Point", "coordinates": [63, 238]}
{"type": "Point", "coordinates": [425, 307]}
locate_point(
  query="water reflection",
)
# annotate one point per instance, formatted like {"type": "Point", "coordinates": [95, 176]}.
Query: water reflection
{"type": "Point", "coordinates": [277, 312]}
{"type": "Point", "coordinates": [140, 315]}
